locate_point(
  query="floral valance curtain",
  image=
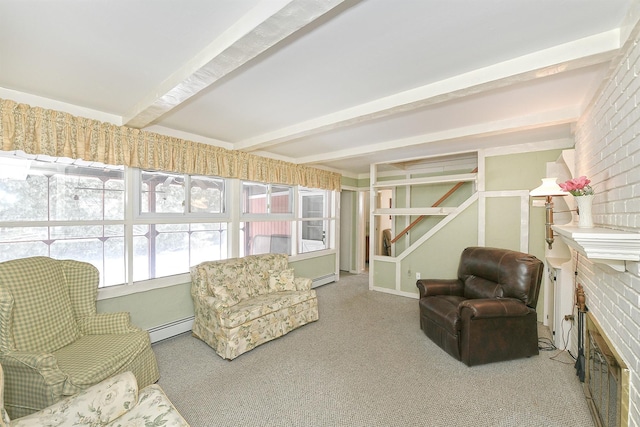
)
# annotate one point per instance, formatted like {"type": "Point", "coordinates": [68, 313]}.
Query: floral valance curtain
{"type": "Point", "coordinates": [36, 130]}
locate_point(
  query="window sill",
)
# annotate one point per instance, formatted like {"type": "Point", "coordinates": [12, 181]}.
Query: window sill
{"type": "Point", "coordinates": [602, 245]}
{"type": "Point", "coordinates": [143, 286]}
{"type": "Point", "coordinates": [180, 279]}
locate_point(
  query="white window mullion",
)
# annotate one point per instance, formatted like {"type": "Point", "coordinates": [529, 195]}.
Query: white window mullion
{"type": "Point", "coordinates": [131, 203]}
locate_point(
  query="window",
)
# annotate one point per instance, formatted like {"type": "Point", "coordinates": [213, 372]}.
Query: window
{"type": "Point", "coordinates": [138, 225]}
{"type": "Point", "coordinates": [173, 229]}
{"type": "Point", "coordinates": [69, 210]}
{"type": "Point", "coordinates": [270, 225]}
{"type": "Point", "coordinates": [64, 211]}
{"type": "Point", "coordinates": [259, 235]}
{"type": "Point", "coordinates": [315, 220]}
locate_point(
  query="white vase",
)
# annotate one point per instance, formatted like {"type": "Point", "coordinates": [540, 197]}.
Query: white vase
{"type": "Point", "coordinates": [585, 219]}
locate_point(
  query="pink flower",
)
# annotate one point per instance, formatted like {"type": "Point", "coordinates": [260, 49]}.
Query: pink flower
{"type": "Point", "coordinates": [578, 186]}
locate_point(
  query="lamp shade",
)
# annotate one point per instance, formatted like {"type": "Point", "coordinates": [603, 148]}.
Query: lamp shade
{"type": "Point", "coordinates": [549, 187]}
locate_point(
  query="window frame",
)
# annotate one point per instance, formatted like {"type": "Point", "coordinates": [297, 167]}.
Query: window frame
{"type": "Point", "coordinates": [232, 215]}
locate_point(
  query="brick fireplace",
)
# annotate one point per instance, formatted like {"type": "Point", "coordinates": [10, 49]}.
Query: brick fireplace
{"type": "Point", "coordinates": [607, 144]}
{"type": "Point", "coordinates": [606, 383]}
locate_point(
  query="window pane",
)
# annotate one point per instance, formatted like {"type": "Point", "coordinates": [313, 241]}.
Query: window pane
{"type": "Point", "coordinates": [23, 234]}
{"type": "Point", "coordinates": [207, 194]}
{"type": "Point", "coordinates": [313, 204]}
{"type": "Point", "coordinates": [162, 193]}
{"type": "Point", "coordinates": [114, 272]}
{"type": "Point", "coordinates": [254, 198]}
{"type": "Point", "coordinates": [141, 253]}
{"type": "Point", "coordinates": [265, 237]}
{"type": "Point", "coordinates": [172, 253]}
{"type": "Point", "coordinates": [24, 200]}
{"type": "Point", "coordinates": [81, 194]}
{"type": "Point", "coordinates": [281, 198]}
{"type": "Point", "coordinates": [98, 245]}
{"type": "Point", "coordinates": [168, 249]}
{"type": "Point", "coordinates": [313, 235]}
{"type": "Point", "coordinates": [114, 199]}
{"type": "Point", "coordinates": [208, 245]}
{"type": "Point", "coordinates": [15, 250]}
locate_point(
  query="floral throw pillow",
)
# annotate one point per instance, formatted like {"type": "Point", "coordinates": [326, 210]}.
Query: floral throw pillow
{"type": "Point", "coordinates": [281, 280]}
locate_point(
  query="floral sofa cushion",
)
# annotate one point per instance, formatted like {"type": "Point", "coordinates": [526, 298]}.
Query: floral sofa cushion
{"type": "Point", "coordinates": [281, 280]}
{"type": "Point", "coordinates": [114, 402]}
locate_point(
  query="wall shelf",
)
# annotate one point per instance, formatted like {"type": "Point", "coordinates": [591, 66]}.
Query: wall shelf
{"type": "Point", "coordinates": [602, 245]}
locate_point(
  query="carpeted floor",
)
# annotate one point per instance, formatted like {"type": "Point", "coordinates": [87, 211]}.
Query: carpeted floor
{"type": "Point", "coordinates": [365, 363]}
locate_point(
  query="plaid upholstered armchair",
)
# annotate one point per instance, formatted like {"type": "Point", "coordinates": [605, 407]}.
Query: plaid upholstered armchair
{"type": "Point", "coordinates": [53, 344]}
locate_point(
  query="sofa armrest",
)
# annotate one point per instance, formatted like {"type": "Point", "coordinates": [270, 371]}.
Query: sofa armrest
{"type": "Point", "coordinates": [494, 307]}
{"type": "Point", "coordinates": [99, 404]}
{"type": "Point", "coordinates": [209, 303]}
{"type": "Point", "coordinates": [431, 287]}
{"type": "Point", "coordinates": [155, 406]}
{"type": "Point", "coordinates": [107, 323]}
{"type": "Point", "coordinates": [302, 283]}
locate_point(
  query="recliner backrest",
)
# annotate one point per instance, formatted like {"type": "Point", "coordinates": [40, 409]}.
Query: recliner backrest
{"type": "Point", "coordinates": [500, 273]}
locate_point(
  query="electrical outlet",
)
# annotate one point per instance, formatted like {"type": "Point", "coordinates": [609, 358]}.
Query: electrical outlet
{"type": "Point", "coordinates": [417, 276]}
{"type": "Point", "coordinates": [569, 317]}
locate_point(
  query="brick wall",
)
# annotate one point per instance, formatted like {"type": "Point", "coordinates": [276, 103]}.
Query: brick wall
{"type": "Point", "coordinates": [608, 152]}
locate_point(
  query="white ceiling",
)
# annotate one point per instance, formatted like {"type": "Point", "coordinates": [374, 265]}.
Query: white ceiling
{"type": "Point", "coordinates": [338, 84]}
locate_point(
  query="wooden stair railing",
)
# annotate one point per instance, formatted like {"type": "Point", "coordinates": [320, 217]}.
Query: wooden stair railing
{"type": "Point", "coordinates": [435, 205]}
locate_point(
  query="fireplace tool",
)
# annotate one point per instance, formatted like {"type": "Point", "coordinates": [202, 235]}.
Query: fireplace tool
{"type": "Point", "coordinates": [582, 308]}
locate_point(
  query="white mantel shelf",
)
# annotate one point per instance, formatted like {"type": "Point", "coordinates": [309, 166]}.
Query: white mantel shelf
{"type": "Point", "coordinates": [602, 245]}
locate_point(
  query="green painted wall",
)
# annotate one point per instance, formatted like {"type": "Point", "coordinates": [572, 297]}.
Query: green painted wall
{"type": "Point", "coordinates": [164, 305]}
{"type": "Point", "coordinates": [384, 275]}
{"type": "Point", "coordinates": [502, 229]}
{"type": "Point", "coordinates": [315, 267]}
{"type": "Point", "coordinates": [518, 172]}
{"type": "Point", "coordinates": [438, 258]}
{"type": "Point", "coordinates": [154, 307]}
{"type": "Point", "coordinates": [348, 182]}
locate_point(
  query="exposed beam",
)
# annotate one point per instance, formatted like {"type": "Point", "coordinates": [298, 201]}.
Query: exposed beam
{"type": "Point", "coordinates": [570, 56]}
{"type": "Point", "coordinates": [258, 31]}
{"type": "Point", "coordinates": [550, 118]}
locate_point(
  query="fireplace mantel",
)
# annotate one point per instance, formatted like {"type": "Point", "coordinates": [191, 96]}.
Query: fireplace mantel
{"type": "Point", "coordinates": [602, 245]}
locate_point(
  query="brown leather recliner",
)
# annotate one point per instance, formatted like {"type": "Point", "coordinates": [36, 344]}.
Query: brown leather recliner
{"type": "Point", "coordinates": [487, 314]}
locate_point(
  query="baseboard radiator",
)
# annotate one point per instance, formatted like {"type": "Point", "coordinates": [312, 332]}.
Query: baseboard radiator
{"type": "Point", "coordinates": [323, 280]}
{"type": "Point", "coordinates": [171, 329]}
{"type": "Point", "coordinates": [168, 330]}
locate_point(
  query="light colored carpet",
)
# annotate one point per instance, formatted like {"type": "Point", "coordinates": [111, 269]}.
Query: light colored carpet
{"type": "Point", "coordinates": [365, 363]}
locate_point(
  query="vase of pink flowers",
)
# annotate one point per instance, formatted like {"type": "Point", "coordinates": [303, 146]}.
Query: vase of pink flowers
{"type": "Point", "coordinates": [583, 193]}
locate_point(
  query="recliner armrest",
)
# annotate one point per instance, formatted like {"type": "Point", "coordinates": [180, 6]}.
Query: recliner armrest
{"type": "Point", "coordinates": [494, 307]}
{"type": "Point", "coordinates": [432, 287]}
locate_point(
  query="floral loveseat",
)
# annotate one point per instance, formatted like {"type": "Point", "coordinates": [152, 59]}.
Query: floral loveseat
{"type": "Point", "coordinates": [114, 402]}
{"type": "Point", "coordinates": [241, 303]}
